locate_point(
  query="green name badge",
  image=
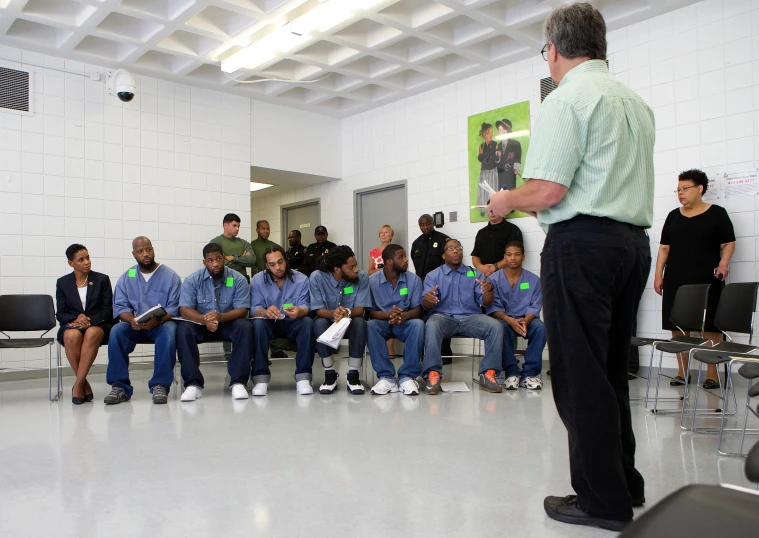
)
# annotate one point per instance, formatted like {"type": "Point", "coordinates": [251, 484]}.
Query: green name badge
{"type": "Point", "coordinates": [471, 274]}
{"type": "Point", "coordinates": [287, 305]}
{"type": "Point", "coordinates": [132, 273]}
{"type": "Point", "coordinates": [524, 286]}
{"type": "Point", "coordinates": [348, 290]}
{"type": "Point", "coordinates": [230, 282]}
{"type": "Point", "coordinates": [403, 291]}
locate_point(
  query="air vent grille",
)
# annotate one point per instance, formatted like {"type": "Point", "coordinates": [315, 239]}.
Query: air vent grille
{"type": "Point", "coordinates": [14, 89]}
{"type": "Point", "coordinates": [547, 85]}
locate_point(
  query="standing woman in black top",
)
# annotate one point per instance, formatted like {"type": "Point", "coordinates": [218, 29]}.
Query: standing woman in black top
{"type": "Point", "coordinates": [697, 242]}
{"type": "Point", "coordinates": [488, 156]}
{"type": "Point", "coordinates": [84, 302]}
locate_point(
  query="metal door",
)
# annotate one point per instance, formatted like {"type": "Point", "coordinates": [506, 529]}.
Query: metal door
{"type": "Point", "coordinates": [374, 207]}
{"type": "Point", "coordinates": [303, 216]}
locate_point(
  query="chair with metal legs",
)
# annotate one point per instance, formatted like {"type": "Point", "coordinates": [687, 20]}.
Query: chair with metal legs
{"type": "Point", "coordinates": [735, 314]}
{"type": "Point", "coordinates": [32, 313]}
{"type": "Point", "coordinates": [688, 314]}
{"type": "Point", "coordinates": [749, 371]}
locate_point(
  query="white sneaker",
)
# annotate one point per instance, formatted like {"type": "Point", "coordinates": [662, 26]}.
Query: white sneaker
{"type": "Point", "coordinates": [191, 394]}
{"type": "Point", "coordinates": [410, 387]}
{"type": "Point", "coordinates": [259, 389]}
{"type": "Point", "coordinates": [304, 387]}
{"type": "Point", "coordinates": [385, 386]}
{"type": "Point", "coordinates": [239, 392]}
{"type": "Point", "coordinates": [532, 383]}
{"type": "Point", "coordinates": [511, 383]}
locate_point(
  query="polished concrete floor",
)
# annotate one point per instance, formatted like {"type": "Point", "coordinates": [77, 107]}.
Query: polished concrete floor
{"type": "Point", "coordinates": [463, 464]}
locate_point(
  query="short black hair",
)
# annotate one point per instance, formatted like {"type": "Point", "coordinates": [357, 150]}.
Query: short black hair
{"type": "Point", "coordinates": [210, 248]}
{"type": "Point", "coordinates": [389, 252]}
{"type": "Point", "coordinates": [697, 176]}
{"type": "Point", "coordinates": [73, 249]}
{"type": "Point", "coordinates": [335, 257]}
{"type": "Point", "coordinates": [484, 128]}
{"type": "Point", "coordinates": [258, 223]}
{"type": "Point", "coordinates": [517, 244]}
{"type": "Point", "coordinates": [445, 245]}
{"type": "Point", "coordinates": [231, 217]}
{"type": "Point", "coordinates": [296, 232]}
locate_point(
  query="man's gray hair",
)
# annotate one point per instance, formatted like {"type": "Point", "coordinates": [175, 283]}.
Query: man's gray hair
{"type": "Point", "coordinates": [577, 31]}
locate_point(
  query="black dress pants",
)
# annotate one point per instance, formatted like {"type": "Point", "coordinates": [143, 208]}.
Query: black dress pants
{"type": "Point", "coordinates": [593, 273]}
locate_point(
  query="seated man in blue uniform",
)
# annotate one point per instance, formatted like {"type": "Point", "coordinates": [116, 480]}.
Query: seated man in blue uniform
{"type": "Point", "coordinates": [339, 290]}
{"type": "Point", "coordinates": [454, 296]}
{"type": "Point", "coordinates": [517, 304]}
{"type": "Point", "coordinates": [215, 302]}
{"type": "Point", "coordinates": [280, 303]}
{"type": "Point", "coordinates": [396, 313]}
{"type": "Point", "coordinates": [142, 287]}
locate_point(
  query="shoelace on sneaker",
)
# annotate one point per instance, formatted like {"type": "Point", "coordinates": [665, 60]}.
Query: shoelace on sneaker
{"type": "Point", "coordinates": [490, 376]}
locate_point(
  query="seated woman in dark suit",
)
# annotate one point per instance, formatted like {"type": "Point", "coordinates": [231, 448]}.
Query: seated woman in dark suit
{"type": "Point", "coordinates": [85, 311]}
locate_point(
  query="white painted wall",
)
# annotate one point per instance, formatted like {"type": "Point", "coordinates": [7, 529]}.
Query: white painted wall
{"type": "Point", "coordinates": [294, 140]}
{"type": "Point", "coordinates": [696, 67]}
{"type": "Point", "coordinates": [88, 168]}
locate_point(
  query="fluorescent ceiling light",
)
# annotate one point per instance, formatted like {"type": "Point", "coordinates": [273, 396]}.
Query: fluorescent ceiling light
{"type": "Point", "coordinates": [259, 186]}
{"type": "Point", "coordinates": [515, 134]}
{"type": "Point", "coordinates": [263, 50]}
{"type": "Point", "coordinates": [324, 17]}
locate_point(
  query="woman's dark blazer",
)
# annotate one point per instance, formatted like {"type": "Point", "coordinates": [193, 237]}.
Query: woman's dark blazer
{"type": "Point", "coordinates": [99, 302]}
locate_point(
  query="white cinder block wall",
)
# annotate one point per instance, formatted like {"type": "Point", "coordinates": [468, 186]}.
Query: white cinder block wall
{"type": "Point", "coordinates": [695, 66]}
{"type": "Point", "coordinates": [87, 168]}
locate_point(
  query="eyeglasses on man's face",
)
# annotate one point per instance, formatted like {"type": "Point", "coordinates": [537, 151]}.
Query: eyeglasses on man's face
{"type": "Point", "coordinates": [455, 249]}
{"type": "Point", "coordinates": [544, 51]}
{"type": "Point", "coordinates": [683, 189]}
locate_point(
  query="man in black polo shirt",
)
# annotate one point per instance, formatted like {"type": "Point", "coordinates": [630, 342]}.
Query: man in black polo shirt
{"type": "Point", "coordinates": [427, 255]}
{"type": "Point", "coordinates": [490, 244]}
{"type": "Point", "coordinates": [296, 255]}
{"type": "Point", "coordinates": [315, 251]}
{"type": "Point", "coordinates": [427, 249]}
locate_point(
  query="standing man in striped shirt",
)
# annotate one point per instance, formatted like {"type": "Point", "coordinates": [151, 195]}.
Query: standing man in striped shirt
{"type": "Point", "coordinates": [590, 165]}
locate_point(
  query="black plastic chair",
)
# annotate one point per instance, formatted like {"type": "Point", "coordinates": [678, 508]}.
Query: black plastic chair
{"type": "Point", "coordinates": [752, 461]}
{"type": "Point", "coordinates": [688, 314]}
{"type": "Point", "coordinates": [735, 313]}
{"type": "Point", "coordinates": [31, 313]}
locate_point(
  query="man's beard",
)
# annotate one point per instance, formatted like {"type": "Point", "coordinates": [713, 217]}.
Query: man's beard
{"type": "Point", "coordinates": [351, 280]}
{"type": "Point", "coordinates": [150, 265]}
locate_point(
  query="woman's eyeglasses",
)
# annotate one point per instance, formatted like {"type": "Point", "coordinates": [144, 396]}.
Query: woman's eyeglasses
{"type": "Point", "coordinates": [683, 189]}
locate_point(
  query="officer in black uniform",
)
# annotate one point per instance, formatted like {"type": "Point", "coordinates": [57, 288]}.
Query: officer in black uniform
{"type": "Point", "coordinates": [427, 249]}
{"type": "Point", "coordinates": [427, 255]}
{"type": "Point", "coordinates": [315, 251]}
{"type": "Point", "coordinates": [296, 254]}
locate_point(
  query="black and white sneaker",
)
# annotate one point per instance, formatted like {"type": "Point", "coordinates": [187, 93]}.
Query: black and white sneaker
{"type": "Point", "coordinates": [330, 382]}
{"type": "Point", "coordinates": [354, 383]}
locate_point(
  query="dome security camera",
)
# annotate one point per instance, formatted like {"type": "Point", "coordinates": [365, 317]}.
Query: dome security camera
{"type": "Point", "coordinates": [121, 83]}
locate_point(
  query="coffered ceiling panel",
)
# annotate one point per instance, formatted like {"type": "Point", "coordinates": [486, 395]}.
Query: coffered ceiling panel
{"type": "Point", "coordinates": [337, 57]}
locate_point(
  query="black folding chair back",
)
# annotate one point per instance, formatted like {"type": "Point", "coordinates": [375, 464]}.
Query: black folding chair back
{"type": "Point", "coordinates": [735, 311]}
{"type": "Point", "coordinates": [752, 463]}
{"type": "Point", "coordinates": [31, 313]}
{"type": "Point", "coordinates": [689, 309]}
{"type": "Point", "coordinates": [26, 313]}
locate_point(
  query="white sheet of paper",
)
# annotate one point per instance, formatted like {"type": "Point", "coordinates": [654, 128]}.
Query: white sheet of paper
{"type": "Point", "coordinates": [454, 386]}
{"type": "Point", "coordinates": [177, 318]}
{"type": "Point", "coordinates": [264, 317]}
{"type": "Point", "coordinates": [332, 336]}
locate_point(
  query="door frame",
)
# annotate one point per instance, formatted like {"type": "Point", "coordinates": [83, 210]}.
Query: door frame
{"type": "Point", "coordinates": [359, 193]}
{"type": "Point", "coordinates": [295, 205]}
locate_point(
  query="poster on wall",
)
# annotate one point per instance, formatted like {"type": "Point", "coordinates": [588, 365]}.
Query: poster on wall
{"type": "Point", "coordinates": [497, 143]}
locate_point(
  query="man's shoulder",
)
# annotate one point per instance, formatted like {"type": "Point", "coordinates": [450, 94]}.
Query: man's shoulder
{"type": "Point", "coordinates": [194, 276]}
{"type": "Point", "coordinates": [298, 277]}
{"type": "Point", "coordinates": [168, 270]}
{"type": "Point", "coordinates": [530, 275]}
{"type": "Point", "coordinates": [412, 278]}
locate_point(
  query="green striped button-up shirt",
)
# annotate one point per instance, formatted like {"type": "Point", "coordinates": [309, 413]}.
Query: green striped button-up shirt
{"type": "Point", "coordinates": [595, 136]}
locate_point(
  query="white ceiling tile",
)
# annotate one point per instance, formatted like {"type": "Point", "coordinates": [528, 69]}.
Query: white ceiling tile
{"type": "Point", "coordinates": [390, 50]}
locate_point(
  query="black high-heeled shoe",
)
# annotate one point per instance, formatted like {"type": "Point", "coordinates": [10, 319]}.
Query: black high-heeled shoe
{"type": "Point", "coordinates": [75, 400]}
{"type": "Point", "coordinates": [89, 397]}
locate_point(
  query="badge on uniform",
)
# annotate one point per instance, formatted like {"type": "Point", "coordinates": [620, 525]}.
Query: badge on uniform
{"type": "Point", "coordinates": [348, 290]}
{"type": "Point", "coordinates": [230, 282]}
{"type": "Point", "coordinates": [132, 273]}
{"type": "Point", "coordinates": [403, 291]}
{"type": "Point", "coordinates": [434, 245]}
{"type": "Point", "coordinates": [524, 286]}
{"type": "Point", "coordinates": [471, 274]}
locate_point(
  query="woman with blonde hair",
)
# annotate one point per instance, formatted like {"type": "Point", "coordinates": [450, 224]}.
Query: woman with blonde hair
{"type": "Point", "coordinates": [386, 234]}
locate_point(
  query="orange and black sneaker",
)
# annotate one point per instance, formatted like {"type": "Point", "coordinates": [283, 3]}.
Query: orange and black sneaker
{"type": "Point", "coordinates": [489, 383]}
{"type": "Point", "coordinates": [433, 383]}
